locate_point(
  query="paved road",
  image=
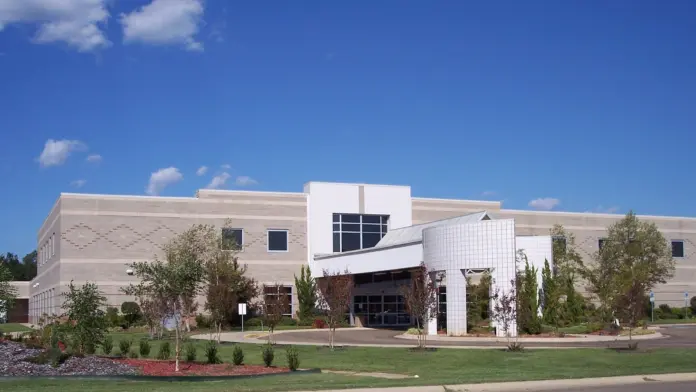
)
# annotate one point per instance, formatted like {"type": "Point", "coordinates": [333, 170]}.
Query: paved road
{"type": "Point", "coordinates": [647, 387]}
{"type": "Point", "coordinates": [679, 336]}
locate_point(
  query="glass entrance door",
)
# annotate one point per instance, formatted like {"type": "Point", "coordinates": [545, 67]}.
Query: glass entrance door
{"type": "Point", "coordinates": [381, 310]}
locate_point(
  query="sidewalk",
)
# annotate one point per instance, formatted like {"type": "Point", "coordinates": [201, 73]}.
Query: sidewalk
{"type": "Point", "coordinates": [548, 385]}
{"type": "Point", "coordinates": [567, 339]}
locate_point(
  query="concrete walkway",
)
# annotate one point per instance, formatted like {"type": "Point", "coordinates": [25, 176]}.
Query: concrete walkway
{"type": "Point", "coordinates": [322, 338]}
{"type": "Point", "coordinates": [659, 381]}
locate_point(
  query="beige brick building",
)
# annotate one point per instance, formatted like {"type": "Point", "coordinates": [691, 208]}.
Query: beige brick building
{"type": "Point", "coordinates": [92, 237]}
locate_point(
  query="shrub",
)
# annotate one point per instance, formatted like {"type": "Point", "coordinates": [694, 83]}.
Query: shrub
{"type": "Point", "coordinates": [133, 354]}
{"type": "Point", "coordinates": [288, 322]}
{"type": "Point", "coordinates": [90, 348]}
{"type": "Point", "coordinates": [125, 345]}
{"type": "Point", "coordinates": [211, 352]}
{"type": "Point", "coordinates": [293, 358]}
{"type": "Point", "coordinates": [515, 347]}
{"type": "Point", "coordinates": [665, 309]}
{"type": "Point", "coordinates": [164, 351]}
{"type": "Point", "coordinates": [238, 355]}
{"type": "Point", "coordinates": [253, 322]}
{"type": "Point", "coordinates": [191, 352]}
{"type": "Point", "coordinates": [267, 355]}
{"type": "Point", "coordinates": [144, 348]}
{"type": "Point", "coordinates": [413, 331]}
{"type": "Point", "coordinates": [319, 323]}
{"type": "Point", "coordinates": [594, 327]}
{"type": "Point", "coordinates": [2, 334]}
{"type": "Point", "coordinates": [131, 312]}
{"type": "Point", "coordinates": [203, 321]}
{"type": "Point", "coordinates": [53, 356]}
{"type": "Point", "coordinates": [112, 318]}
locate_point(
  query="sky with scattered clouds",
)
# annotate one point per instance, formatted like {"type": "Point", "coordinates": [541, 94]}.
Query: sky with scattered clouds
{"type": "Point", "coordinates": [573, 106]}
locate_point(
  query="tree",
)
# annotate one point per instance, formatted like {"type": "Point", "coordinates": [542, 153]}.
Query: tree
{"type": "Point", "coordinates": [527, 298]}
{"type": "Point", "coordinates": [504, 312]}
{"type": "Point", "coordinates": [420, 300]}
{"type": "Point", "coordinates": [275, 303]}
{"type": "Point", "coordinates": [551, 301]}
{"type": "Point", "coordinates": [226, 282]}
{"type": "Point", "coordinates": [22, 271]}
{"type": "Point", "coordinates": [335, 296]}
{"type": "Point", "coordinates": [83, 307]}
{"type": "Point", "coordinates": [634, 258]}
{"type": "Point", "coordinates": [566, 259]}
{"type": "Point", "coordinates": [131, 312]}
{"type": "Point", "coordinates": [306, 289]}
{"type": "Point", "coordinates": [168, 284]}
{"type": "Point", "coordinates": [8, 293]}
{"type": "Point", "coordinates": [29, 262]}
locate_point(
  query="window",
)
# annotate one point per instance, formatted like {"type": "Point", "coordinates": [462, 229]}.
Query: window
{"type": "Point", "coordinates": [272, 294]}
{"type": "Point", "coordinates": [53, 244]}
{"type": "Point", "coordinates": [356, 231]}
{"type": "Point", "coordinates": [677, 248]}
{"type": "Point", "coordinates": [232, 239]}
{"type": "Point", "coordinates": [600, 243]}
{"type": "Point", "coordinates": [277, 240]}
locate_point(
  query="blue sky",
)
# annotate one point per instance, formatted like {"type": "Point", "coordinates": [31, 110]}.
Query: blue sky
{"type": "Point", "coordinates": [587, 105]}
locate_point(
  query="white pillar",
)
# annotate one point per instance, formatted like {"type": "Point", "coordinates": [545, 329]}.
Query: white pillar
{"type": "Point", "coordinates": [431, 328]}
{"type": "Point", "coordinates": [456, 303]}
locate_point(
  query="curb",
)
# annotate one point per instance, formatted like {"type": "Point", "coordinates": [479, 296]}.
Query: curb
{"type": "Point", "coordinates": [570, 339]}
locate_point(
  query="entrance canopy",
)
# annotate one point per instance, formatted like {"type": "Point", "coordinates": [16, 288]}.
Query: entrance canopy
{"type": "Point", "coordinates": [398, 249]}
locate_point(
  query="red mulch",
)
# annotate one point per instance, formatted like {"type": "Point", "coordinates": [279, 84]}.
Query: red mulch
{"type": "Point", "coordinates": [166, 368]}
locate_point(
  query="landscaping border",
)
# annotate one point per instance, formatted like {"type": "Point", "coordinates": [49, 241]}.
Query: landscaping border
{"type": "Point", "coordinates": [127, 377]}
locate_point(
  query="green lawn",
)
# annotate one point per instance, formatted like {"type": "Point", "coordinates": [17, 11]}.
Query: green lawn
{"type": "Point", "coordinates": [12, 327]}
{"type": "Point", "coordinates": [440, 367]}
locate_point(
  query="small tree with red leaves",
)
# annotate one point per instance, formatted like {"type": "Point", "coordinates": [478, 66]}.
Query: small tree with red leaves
{"type": "Point", "coordinates": [420, 298]}
{"type": "Point", "coordinates": [336, 290]}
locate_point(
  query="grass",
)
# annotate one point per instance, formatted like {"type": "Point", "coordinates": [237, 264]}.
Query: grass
{"type": "Point", "coordinates": [440, 367]}
{"type": "Point", "coordinates": [13, 327]}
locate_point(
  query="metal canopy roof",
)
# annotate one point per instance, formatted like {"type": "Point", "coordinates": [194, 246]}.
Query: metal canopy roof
{"type": "Point", "coordinates": [406, 235]}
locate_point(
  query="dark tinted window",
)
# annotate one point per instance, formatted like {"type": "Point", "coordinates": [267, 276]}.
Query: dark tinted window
{"type": "Point", "coordinates": [232, 239]}
{"type": "Point", "coordinates": [600, 243]}
{"type": "Point", "coordinates": [350, 241]}
{"type": "Point", "coordinates": [337, 242]}
{"type": "Point", "coordinates": [371, 219]}
{"type": "Point", "coordinates": [277, 240]}
{"type": "Point", "coordinates": [369, 240]}
{"type": "Point", "coordinates": [350, 218]}
{"type": "Point", "coordinates": [677, 248]}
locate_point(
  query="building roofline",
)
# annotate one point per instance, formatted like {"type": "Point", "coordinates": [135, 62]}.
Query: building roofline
{"type": "Point", "coordinates": [435, 199]}
{"type": "Point", "coordinates": [593, 214]}
{"type": "Point", "coordinates": [366, 250]}
{"type": "Point", "coordinates": [357, 184]}
{"type": "Point", "coordinates": [245, 192]}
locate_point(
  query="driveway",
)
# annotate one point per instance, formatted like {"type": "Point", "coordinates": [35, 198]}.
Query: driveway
{"type": "Point", "coordinates": [676, 336]}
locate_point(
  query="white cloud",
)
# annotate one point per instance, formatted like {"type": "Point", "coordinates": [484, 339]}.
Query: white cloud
{"type": "Point", "coordinates": [77, 23]}
{"type": "Point", "coordinates": [245, 181]}
{"type": "Point", "coordinates": [165, 22]}
{"type": "Point", "coordinates": [488, 193]}
{"type": "Point", "coordinates": [78, 183]}
{"type": "Point", "coordinates": [161, 179]}
{"type": "Point", "coordinates": [94, 158]}
{"type": "Point", "coordinates": [202, 170]}
{"type": "Point", "coordinates": [219, 180]}
{"type": "Point", "coordinates": [226, 166]}
{"type": "Point", "coordinates": [56, 152]}
{"type": "Point", "coordinates": [545, 203]}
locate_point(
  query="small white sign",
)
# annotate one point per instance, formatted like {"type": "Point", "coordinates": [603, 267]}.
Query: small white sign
{"type": "Point", "coordinates": [241, 309]}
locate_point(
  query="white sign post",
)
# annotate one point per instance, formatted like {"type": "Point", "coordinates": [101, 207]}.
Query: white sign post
{"type": "Point", "coordinates": [652, 307]}
{"type": "Point", "coordinates": [241, 309]}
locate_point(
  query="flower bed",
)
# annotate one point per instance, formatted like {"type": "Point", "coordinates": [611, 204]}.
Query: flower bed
{"type": "Point", "coordinates": [151, 367]}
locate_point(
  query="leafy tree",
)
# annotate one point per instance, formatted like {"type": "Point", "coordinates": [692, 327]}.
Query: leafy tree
{"type": "Point", "coordinates": [420, 299]}
{"type": "Point", "coordinates": [226, 283]}
{"type": "Point", "coordinates": [275, 302]}
{"type": "Point", "coordinates": [8, 294]}
{"type": "Point", "coordinates": [566, 259]}
{"type": "Point", "coordinates": [306, 289]}
{"type": "Point", "coordinates": [83, 307]}
{"type": "Point", "coordinates": [528, 302]}
{"type": "Point", "coordinates": [634, 258]}
{"type": "Point", "coordinates": [335, 294]}
{"type": "Point", "coordinates": [551, 296]}
{"type": "Point", "coordinates": [22, 271]}
{"type": "Point", "coordinates": [131, 312]}
{"type": "Point", "coordinates": [169, 283]}
{"type": "Point", "coordinates": [504, 312]}
{"type": "Point", "coordinates": [693, 305]}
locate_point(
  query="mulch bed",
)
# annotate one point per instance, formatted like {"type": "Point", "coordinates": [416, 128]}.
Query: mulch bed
{"type": "Point", "coordinates": [150, 367]}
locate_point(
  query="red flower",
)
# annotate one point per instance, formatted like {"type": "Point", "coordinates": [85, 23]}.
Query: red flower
{"type": "Point", "coordinates": [61, 346]}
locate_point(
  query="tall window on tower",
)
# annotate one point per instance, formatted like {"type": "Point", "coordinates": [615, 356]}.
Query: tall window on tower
{"type": "Point", "coordinates": [358, 231]}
